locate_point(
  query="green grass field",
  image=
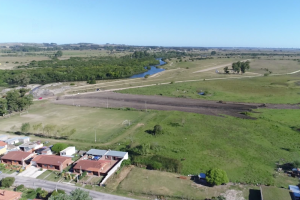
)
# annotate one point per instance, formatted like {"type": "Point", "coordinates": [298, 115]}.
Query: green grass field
{"type": "Point", "coordinates": [272, 193]}
{"type": "Point", "coordinates": [106, 123]}
{"type": "Point", "coordinates": [246, 149]}
{"type": "Point", "coordinates": [271, 89]}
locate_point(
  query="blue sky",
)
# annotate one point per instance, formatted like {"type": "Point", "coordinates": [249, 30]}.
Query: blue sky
{"type": "Point", "coordinates": [210, 23]}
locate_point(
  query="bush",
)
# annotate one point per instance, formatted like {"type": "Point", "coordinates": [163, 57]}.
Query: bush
{"type": "Point", "coordinates": [20, 187]}
{"type": "Point", "coordinates": [72, 83]}
{"type": "Point", "coordinates": [82, 175]}
{"type": "Point", "coordinates": [7, 182]}
{"type": "Point", "coordinates": [157, 130]}
{"type": "Point", "coordinates": [126, 162]}
{"type": "Point", "coordinates": [59, 147]}
{"type": "Point", "coordinates": [216, 176]}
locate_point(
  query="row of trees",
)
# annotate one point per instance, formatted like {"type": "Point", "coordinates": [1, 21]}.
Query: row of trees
{"type": "Point", "coordinates": [238, 67]}
{"type": "Point", "coordinates": [15, 101]}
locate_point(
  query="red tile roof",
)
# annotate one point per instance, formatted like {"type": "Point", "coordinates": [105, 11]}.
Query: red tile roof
{"type": "Point", "coordinates": [50, 159]}
{"type": "Point", "coordinates": [16, 155]}
{"type": "Point", "coordinates": [2, 144]}
{"type": "Point", "coordinates": [95, 166]}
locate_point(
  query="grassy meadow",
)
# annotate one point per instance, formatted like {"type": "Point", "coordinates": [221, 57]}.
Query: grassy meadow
{"type": "Point", "coordinates": [246, 149]}
{"type": "Point", "coordinates": [270, 89]}
{"type": "Point", "coordinates": [106, 123]}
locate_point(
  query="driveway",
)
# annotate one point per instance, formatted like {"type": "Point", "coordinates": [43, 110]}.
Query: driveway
{"type": "Point", "coordinates": [32, 172]}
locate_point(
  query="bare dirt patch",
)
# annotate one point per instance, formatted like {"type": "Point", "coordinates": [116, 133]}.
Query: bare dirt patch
{"type": "Point", "coordinates": [144, 102]}
{"type": "Point", "coordinates": [233, 195]}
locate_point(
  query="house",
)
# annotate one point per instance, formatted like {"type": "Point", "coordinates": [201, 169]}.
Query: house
{"type": "Point", "coordinates": [3, 137]}
{"type": "Point", "coordinates": [19, 158]}
{"type": "Point", "coordinates": [24, 139]}
{"type": "Point", "coordinates": [107, 154]}
{"type": "Point", "coordinates": [69, 151]}
{"type": "Point", "coordinates": [10, 195]}
{"type": "Point", "coordinates": [94, 167]}
{"type": "Point", "coordinates": [43, 151]}
{"type": "Point", "coordinates": [100, 162]}
{"type": "Point", "coordinates": [14, 140]}
{"type": "Point", "coordinates": [51, 162]}
{"type": "Point", "coordinates": [3, 144]}
{"type": "Point", "coordinates": [31, 146]}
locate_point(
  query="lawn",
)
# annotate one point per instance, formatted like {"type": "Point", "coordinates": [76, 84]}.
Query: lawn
{"type": "Point", "coordinates": [246, 149]}
{"type": "Point", "coordinates": [156, 183]}
{"type": "Point", "coordinates": [272, 193]}
{"type": "Point", "coordinates": [45, 174]}
{"type": "Point", "coordinates": [106, 124]}
{"type": "Point", "coordinates": [271, 89]}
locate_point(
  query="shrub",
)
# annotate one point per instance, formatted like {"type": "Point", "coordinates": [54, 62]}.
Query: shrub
{"type": "Point", "coordinates": [72, 83]}
{"type": "Point", "coordinates": [7, 182]}
{"type": "Point", "coordinates": [216, 176]}
{"type": "Point", "coordinates": [20, 187]}
{"type": "Point", "coordinates": [157, 130]}
{"type": "Point", "coordinates": [59, 147]}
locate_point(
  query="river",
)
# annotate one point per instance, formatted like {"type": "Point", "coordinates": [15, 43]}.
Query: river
{"type": "Point", "coordinates": [151, 71]}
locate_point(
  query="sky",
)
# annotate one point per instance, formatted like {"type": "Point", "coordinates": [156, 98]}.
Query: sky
{"type": "Point", "coordinates": [195, 23]}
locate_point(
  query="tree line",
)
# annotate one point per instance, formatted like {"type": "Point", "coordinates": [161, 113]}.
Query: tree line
{"type": "Point", "coordinates": [77, 69]}
{"type": "Point", "coordinates": [238, 67]}
{"type": "Point", "coordinates": [15, 101]}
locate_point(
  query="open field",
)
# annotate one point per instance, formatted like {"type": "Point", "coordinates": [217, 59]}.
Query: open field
{"type": "Point", "coordinates": [202, 142]}
{"type": "Point", "coordinates": [106, 123]}
{"type": "Point", "coordinates": [271, 89]}
{"type": "Point", "coordinates": [22, 60]}
{"type": "Point", "coordinates": [272, 193]}
{"type": "Point", "coordinates": [157, 183]}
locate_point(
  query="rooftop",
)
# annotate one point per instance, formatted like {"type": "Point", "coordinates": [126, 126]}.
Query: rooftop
{"type": "Point", "coordinates": [11, 139]}
{"type": "Point", "coordinates": [30, 144]}
{"type": "Point", "coordinates": [2, 144]}
{"type": "Point", "coordinates": [98, 152]}
{"type": "Point", "coordinates": [68, 148]}
{"type": "Point", "coordinates": [92, 165]}
{"type": "Point", "coordinates": [8, 195]}
{"type": "Point", "coordinates": [50, 159]}
{"type": "Point", "coordinates": [16, 155]}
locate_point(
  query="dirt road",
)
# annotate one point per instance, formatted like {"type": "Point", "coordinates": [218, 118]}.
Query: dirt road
{"type": "Point", "coordinates": [143, 102]}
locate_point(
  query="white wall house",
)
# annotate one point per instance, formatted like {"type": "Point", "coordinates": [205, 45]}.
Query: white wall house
{"type": "Point", "coordinates": [24, 139]}
{"type": "Point", "coordinates": [68, 151]}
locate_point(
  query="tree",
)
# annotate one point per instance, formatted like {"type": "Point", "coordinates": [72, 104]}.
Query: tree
{"type": "Point", "coordinates": [25, 127]}
{"type": "Point", "coordinates": [58, 54]}
{"type": "Point", "coordinates": [216, 176]}
{"type": "Point", "coordinates": [3, 106]}
{"type": "Point", "coordinates": [76, 194]}
{"type": "Point", "coordinates": [59, 147]}
{"type": "Point", "coordinates": [157, 129]}
{"type": "Point", "coordinates": [22, 79]}
{"type": "Point", "coordinates": [213, 53]}
{"type": "Point", "coordinates": [41, 193]}
{"type": "Point", "coordinates": [79, 194]}
{"type": "Point", "coordinates": [226, 70]}
{"type": "Point", "coordinates": [7, 182]}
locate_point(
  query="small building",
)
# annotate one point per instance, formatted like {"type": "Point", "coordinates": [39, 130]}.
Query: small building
{"type": "Point", "coordinates": [14, 140]}
{"type": "Point", "coordinates": [43, 151]}
{"type": "Point", "coordinates": [3, 150]}
{"type": "Point", "coordinates": [10, 195]}
{"type": "Point", "coordinates": [24, 139]}
{"type": "Point", "coordinates": [51, 162]}
{"type": "Point", "coordinates": [31, 146]}
{"type": "Point", "coordinates": [69, 151]}
{"type": "Point", "coordinates": [3, 137]}
{"type": "Point", "coordinates": [107, 154]}
{"type": "Point", "coordinates": [19, 158]}
{"type": "Point", "coordinates": [94, 167]}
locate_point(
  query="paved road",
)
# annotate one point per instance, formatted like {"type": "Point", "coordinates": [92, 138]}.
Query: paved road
{"type": "Point", "coordinates": [50, 186]}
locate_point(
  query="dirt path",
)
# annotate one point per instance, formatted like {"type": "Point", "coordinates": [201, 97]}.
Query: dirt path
{"type": "Point", "coordinates": [215, 67]}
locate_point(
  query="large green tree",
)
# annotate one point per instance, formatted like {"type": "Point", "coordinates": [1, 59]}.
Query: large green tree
{"type": "Point", "coordinates": [59, 147]}
{"type": "Point", "coordinates": [216, 176]}
{"type": "Point", "coordinates": [7, 182]}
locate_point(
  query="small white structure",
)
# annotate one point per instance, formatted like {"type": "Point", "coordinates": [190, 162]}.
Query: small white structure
{"type": "Point", "coordinates": [24, 139]}
{"type": "Point", "coordinates": [31, 146]}
{"type": "Point", "coordinates": [3, 137]}
{"type": "Point", "coordinates": [14, 140]}
{"type": "Point", "coordinates": [69, 151]}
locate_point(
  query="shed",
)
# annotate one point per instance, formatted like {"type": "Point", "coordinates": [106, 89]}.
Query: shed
{"type": "Point", "coordinates": [69, 151]}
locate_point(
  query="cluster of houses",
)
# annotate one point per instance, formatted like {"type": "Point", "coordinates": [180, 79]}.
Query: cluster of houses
{"type": "Point", "coordinates": [94, 162]}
